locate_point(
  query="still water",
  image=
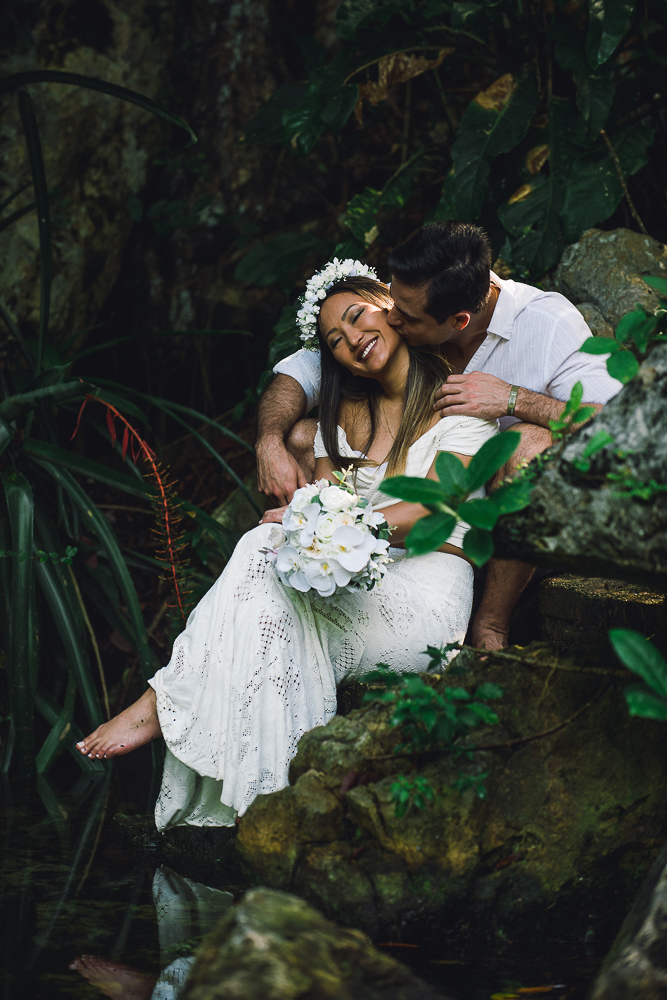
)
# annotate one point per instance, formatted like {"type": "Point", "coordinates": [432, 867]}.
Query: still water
{"type": "Point", "coordinates": [82, 918]}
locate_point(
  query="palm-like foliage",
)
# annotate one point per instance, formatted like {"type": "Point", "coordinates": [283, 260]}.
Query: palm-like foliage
{"type": "Point", "coordinates": [46, 588]}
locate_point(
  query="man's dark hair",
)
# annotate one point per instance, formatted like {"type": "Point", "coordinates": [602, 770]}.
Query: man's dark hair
{"type": "Point", "coordinates": [453, 261]}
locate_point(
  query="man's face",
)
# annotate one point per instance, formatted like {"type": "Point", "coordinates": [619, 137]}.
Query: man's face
{"type": "Point", "coordinates": [410, 319]}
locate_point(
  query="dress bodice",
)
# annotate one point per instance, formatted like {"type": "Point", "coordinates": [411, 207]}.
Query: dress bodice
{"type": "Point", "coordinates": [463, 435]}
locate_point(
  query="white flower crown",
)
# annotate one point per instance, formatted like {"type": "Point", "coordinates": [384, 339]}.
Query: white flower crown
{"type": "Point", "coordinates": [316, 289]}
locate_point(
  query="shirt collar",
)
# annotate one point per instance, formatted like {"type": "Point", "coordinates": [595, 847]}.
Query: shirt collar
{"type": "Point", "coordinates": [502, 320]}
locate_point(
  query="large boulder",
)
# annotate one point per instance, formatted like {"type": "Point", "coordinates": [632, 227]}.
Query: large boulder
{"type": "Point", "coordinates": [637, 963]}
{"type": "Point", "coordinates": [604, 270]}
{"type": "Point", "coordinates": [571, 822]}
{"type": "Point", "coordinates": [611, 519]}
{"type": "Point", "coordinates": [275, 946]}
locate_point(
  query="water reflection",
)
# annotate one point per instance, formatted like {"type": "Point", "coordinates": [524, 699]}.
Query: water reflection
{"type": "Point", "coordinates": [186, 911]}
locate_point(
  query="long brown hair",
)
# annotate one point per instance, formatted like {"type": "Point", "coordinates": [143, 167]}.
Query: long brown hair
{"type": "Point", "coordinates": [426, 373]}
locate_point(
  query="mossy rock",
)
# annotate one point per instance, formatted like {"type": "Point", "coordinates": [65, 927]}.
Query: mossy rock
{"type": "Point", "coordinates": [571, 822]}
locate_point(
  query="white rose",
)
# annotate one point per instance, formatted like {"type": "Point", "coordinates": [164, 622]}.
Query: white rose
{"type": "Point", "coordinates": [326, 525]}
{"type": "Point", "coordinates": [303, 496]}
{"type": "Point", "coordinates": [335, 499]}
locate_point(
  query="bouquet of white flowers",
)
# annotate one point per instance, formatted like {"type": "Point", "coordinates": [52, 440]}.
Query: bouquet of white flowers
{"type": "Point", "coordinates": [329, 539]}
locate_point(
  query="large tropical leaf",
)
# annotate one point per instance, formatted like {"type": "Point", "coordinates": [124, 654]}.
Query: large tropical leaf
{"type": "Point", "coordinates": [493, 123]}
{"type": "Point", "coordinates": [16, 80]}
{"type": "Point", "coordinates": [608, 23]}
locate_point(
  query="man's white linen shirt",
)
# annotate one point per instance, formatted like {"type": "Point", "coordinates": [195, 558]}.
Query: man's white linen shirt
{"type": "Point", "coordinates": [533, 341]}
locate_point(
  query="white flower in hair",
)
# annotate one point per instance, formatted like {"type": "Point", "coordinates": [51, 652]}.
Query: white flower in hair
{"type": "Point", "coordinates": [316, 290]}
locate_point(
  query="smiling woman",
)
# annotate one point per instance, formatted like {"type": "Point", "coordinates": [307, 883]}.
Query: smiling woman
{"type": "Point", "coordinates": [259, 662]}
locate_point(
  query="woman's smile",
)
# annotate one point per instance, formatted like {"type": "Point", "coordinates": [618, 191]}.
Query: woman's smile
{"type": "Point", "coordinates": [367, 348]}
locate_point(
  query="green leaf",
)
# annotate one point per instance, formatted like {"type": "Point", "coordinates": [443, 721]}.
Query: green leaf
{"type": "Point", "coordinates": [479, 513]}
{"type": "Point", "coordinates": [510, 497]}
{"type": "Point", "coordinates": [491, 456]}
{"type": "Point", "coordinates": [414, 490]}
{"type": "Point", "coordinates": [660, 284]}
{"type": "Point", "coordinates": [478, 545]}
{"type": "Point", "coordinates": [429, 533]}
{"type": "Point", "coordinates": [623, 366]}
{"type": "Point", "coordinates": [15, 216]}
{"type": "Point", "coordinates": [639, 655]}
{"type": "Point", "coordinates": [489, 691]}
{"type": "Point", "coordinates": [278, 259]}
{"type": "Point", "coordinates": [339, 107]}
{"type": "Point", "coordinates": [642, 702]}
{"type": "Point", "coordinates": [361, 213]}
{"type": "Point", "coordinates": [25, 402]}
{"type": "Point", "coordinates": [452, 474]}
{"type": "Point", "coordinates": [36, 160]}
{"type": "Point", "coordinates": [597, 443]}
{"type": "Point", "coordinates": [16, 80]}
{"type": "Point", "coordinates": [493, 123]}
{"type": "Point", "coordinates": [636, 325]}
{"type": "Point", "coordinates": [94, 521]}
{"type": "Point", "coordinates": [599, 345]}
{"type": "Point", "coordinates": [55, 743]}
{"type": "Point", "coordinates": [608, 23]}
{"type": "Point", "coordinates": [22, 644]}
{"type": "Point", "coordinates": [50, 711]}
{"type": "Point", "coordinates": [267, 125]}
{"type": "Point", "coordinates": [574, 402]}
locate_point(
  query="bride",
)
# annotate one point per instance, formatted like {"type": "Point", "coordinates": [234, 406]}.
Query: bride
{"type": "Point", "coordinates": [258, 663]}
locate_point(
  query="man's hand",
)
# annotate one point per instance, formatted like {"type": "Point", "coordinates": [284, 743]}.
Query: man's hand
{"type": "Point", "coordinates": [278, 473]}
{"type": "Point", "coordinates": [474, 395]}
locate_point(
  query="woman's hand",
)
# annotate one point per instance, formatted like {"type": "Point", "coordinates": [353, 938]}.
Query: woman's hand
{"type": "Point", "coordinates": [273, 516]}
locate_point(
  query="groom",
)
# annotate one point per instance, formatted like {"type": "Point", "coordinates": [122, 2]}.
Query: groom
{"type": "Point", "coordinates": [514, 351]}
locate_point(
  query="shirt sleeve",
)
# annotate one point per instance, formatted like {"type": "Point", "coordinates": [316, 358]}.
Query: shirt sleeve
{"type": "Point", "coordinates": [464, 435]}
{"type": "Point", "coordinates": [320, 450]}
{"type": "Point", "coordinates": [304, 367]}
{"type": "Point", "coordinates": [567, 365]}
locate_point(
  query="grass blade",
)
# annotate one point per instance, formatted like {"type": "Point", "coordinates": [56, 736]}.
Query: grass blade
{"type": "Point", "coordinates": [15, 216]}
{"type": "Point", "coordinates": [24, 402]}
{"type": "Point", "coordinates": [49, 710]}
{"type": "Point", "coordinates": [57, 587]}
{"type": "Point", "coordinates": [14, 194]}
{"type": "Point", "coordinates": [16, 80]}
{"type": "Point", "coordinates": [98, 524]}
{"type": "Point", "coordinates": [36, 160]}
{"type": "Point", "coordinates": [54, 744]}
{"type": "Point", "coordinates": [22, 646]}
{"type": "Point", "coordinates": [87, 467]}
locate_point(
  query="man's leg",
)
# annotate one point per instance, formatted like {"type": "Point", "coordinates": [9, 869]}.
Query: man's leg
{"type": "Point", "coordinates": [506, 578]}
{"type": "Point", "coordinates": [300, 445]}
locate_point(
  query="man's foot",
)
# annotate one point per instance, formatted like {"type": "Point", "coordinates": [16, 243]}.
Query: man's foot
{"type": "Point", "coordinates": [113, 979]}
{"type": "Point", "coordinates": [134, 727]}
{"type": "Point", "coordinates": [489, 636]}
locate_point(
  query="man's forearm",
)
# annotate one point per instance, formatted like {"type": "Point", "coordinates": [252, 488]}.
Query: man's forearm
{"type": "Point", "coordinates": [534, 408]}
{"type": "Point", "coordinates": [282, 404]}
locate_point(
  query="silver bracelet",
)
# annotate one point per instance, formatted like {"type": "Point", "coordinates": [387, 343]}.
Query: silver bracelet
{"type": "Point", "coordinates": [511, 403]}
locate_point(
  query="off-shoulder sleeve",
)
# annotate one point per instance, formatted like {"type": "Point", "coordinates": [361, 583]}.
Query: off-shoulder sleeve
{"type": "Point", "coordinates": [464, 435]}
{"type": "Point", "coordinates": [320, 450]}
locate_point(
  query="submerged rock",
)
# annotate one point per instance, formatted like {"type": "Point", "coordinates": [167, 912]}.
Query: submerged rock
{"type": "Point", "coordinates": [605, 269]}
{"type": "Point", "coordinates": [611, 519]}
{"type": "Point", "coordinates": [571, 822]}
{"type": "Point", "coordinates": [636, 966]}
{"type": "Point", "coordinates": [277, 947]}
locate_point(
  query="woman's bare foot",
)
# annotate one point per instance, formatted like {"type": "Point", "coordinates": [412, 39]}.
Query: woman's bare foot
{"type": "Point", "coordinates": [113, 979]}
{"type": "Point", "coordinates": [137, 725]}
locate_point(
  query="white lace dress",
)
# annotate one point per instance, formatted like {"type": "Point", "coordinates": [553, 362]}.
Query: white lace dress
{"type": "Point", "coordinates": [258, 664]}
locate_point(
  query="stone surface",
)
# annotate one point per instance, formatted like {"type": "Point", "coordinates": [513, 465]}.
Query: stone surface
{"type": "Point", "coordinates": [636, 966]}
{"type": "Point", "coordinates": [571, 822]}
{"type": "Point", "coordinates": [277, 947]}
{"type": "Point", "coordinates": [599, 326]}
{"type": "Point", "coordinates": [575, 611]}
{"type": "Point", "coordinates": [97, 152]}
{"type": "Point", "coordinates": [585, 522]}
{"type": "Point", "coordinates": [605, 269]}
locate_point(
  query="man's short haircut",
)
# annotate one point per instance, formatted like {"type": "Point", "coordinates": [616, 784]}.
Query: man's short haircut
{"type": "Point", "coordinates": [452, 260]}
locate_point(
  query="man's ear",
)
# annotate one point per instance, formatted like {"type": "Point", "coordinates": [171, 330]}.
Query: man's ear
{"type": "Point", "coordinates": [460, 320]}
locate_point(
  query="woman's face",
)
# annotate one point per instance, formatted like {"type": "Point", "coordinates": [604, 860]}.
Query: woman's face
{"type": "Point", "coordinates": [358, 335]}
